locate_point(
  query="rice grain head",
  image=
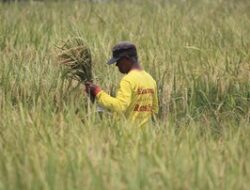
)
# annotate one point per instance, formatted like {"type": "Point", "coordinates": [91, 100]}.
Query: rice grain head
{"type": "Point", "coordinates": [76, 57]}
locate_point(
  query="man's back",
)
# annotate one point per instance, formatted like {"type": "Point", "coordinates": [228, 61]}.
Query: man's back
{"type": "Point", "coordinates": [136, 97]}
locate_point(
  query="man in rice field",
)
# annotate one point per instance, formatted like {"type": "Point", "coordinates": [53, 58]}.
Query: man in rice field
{"type": "Point", "coordinates": [136, 97]}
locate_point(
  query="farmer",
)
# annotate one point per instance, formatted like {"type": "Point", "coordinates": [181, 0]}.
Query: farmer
{"type": "Point", "coordinates": [136, 97]}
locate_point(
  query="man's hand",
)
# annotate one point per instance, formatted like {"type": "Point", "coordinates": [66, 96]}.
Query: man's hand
{"type": "Point", "coordinates": [91, 89]}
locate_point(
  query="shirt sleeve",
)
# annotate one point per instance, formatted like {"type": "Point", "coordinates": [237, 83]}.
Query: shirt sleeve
{"type": "Point", "coordinates": [122, 100]}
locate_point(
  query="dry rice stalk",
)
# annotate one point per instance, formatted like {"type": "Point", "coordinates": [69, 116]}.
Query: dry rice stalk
{"type": "Point", "coordinates": [76, 56]}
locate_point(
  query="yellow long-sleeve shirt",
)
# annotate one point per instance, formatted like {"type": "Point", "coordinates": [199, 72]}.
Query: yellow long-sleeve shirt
{"type": "Point", "coordinates": [136, 97]}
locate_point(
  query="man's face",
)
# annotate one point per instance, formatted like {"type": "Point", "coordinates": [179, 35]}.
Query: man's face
{"type": "Point", "coordinates": [124, 65]}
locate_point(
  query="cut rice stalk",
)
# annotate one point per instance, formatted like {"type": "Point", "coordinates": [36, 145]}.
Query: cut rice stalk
{"type": "Point", "coordinates": [76, 56]}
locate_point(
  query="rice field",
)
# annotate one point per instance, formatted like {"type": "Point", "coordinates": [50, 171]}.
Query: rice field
{"type": "Point", "coordinates": [197, 50]}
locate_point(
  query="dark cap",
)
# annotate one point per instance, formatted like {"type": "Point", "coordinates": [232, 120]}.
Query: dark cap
{"type": "Point", "coordinates": [123, 49]}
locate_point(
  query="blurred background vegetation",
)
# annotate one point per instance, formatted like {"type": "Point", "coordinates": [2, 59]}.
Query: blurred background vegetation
{"type": "Point", "coordinates": [198, 52]}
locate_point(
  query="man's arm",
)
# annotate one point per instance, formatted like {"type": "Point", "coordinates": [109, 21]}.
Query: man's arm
{"type": "Point", "coordinates": [119, 103]}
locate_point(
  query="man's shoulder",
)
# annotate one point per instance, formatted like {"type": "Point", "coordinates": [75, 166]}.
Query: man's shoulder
{"type": "Point", "coordinates": [129, 76]}
{"type": "Point", "coordinates": [149, 76]}
{"type": "Point", "coordinates": [138, 74]}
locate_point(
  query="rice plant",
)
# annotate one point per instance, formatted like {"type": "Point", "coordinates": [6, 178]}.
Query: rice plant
{"type": "Point", "coordinates": [76, 56]}
{"type": "Point", "coordinates": [198, 52]}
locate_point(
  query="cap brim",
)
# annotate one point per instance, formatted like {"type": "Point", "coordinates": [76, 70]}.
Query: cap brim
{"type": "Point", "coordinates": [112, 60]}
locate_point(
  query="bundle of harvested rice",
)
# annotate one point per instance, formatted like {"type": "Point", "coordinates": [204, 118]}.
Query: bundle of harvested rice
{"type": "Point", "coordinates": [76, 56]}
